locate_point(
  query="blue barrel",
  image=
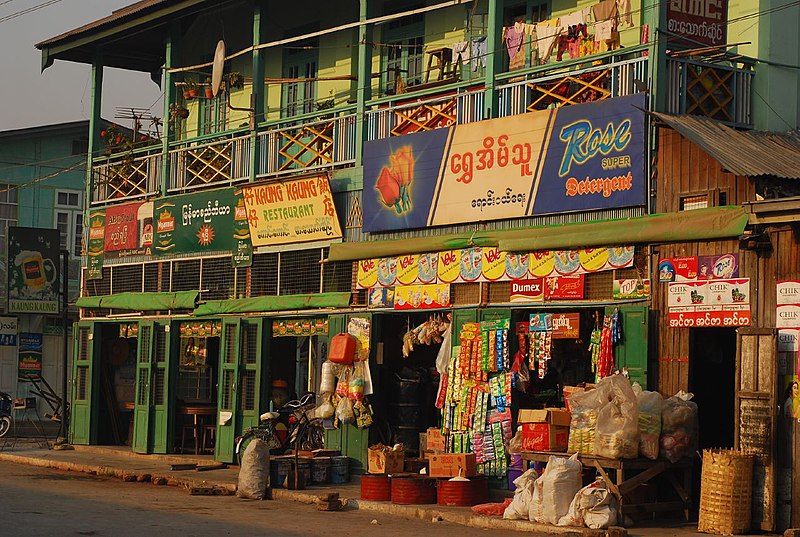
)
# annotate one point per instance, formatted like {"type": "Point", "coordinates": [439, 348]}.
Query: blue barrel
{"type": "Point", "coordinates": [321, 470]}
{"type": "Point", "coordinates": [340, 469]}
{"type": "Point", "coordinates": [279, 468]}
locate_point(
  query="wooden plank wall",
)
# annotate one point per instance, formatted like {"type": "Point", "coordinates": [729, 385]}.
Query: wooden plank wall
{"type": "Point", "coordinates": [683, 168]}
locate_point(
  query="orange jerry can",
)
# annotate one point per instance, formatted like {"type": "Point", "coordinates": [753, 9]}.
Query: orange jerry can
{"type": "Point", "coordinates": [342, 349]}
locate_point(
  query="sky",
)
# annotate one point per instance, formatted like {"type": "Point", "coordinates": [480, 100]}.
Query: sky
{"type": "Point", "coordinates": [29, 97]}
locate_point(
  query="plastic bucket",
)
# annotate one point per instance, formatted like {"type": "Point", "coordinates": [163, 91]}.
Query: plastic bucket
{"type": "Point", "coordinates": [304, 471]}
{"type": "Point", "coordinates": [462, 493]}
{"type": "Point", "coordinates": [279, 468]}
{"type": "Point", "coordinates": [320, 470]}
{"type": "Point", "coordinates": [413, 490]}
{"type": "Point", "coordinates": [340, 469]}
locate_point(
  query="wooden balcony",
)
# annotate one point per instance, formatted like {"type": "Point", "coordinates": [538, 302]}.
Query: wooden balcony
{"type": "Point", "coordinates": [220, 161]}
{"type": "Point", "coordinates": [126, 176]}
{"type": "Point", "coordinates": [715, 90]}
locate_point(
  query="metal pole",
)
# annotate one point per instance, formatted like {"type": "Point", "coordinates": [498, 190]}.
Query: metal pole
{"type": "Point", "coordinates": [62, 433]}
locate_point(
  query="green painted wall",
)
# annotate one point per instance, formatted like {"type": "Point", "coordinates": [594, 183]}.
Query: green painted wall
{"type": "Point", "coordinates": [770, 27]}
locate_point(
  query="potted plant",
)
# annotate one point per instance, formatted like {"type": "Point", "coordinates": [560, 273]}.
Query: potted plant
{"type": "Point", "coordinates": [177, 112]}
{"type": "Point", "coordinates": [235, 80]}
{"type": "Point", "coordinates": [208, 89]}
{"type": "Point", "coordinates": [190, 90]}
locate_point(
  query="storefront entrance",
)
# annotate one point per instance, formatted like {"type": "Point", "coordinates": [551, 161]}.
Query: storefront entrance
{"type": "Point", "coordinates": [712, 380]}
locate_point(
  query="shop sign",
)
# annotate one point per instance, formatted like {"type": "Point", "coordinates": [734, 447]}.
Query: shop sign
{"type": "Point", "coordinates": [633, 288]}
{"type": "Point", "coordinates": [381, 297]}
{"type": "Point", "coordinates": [423, 296]}
{"type": "Point", "coordinates": [299, 327]}
{"type": "Point", "coordinates": [564, 287]}
{"type": "Point", "coordinates": [788, 304]}
{"type": "Point", "coordinates": [788, 292]}
{"type": "Point", "coordinates": [33, 270]}
{"type": "Point", "coordinates": [294, 211]}
{"type": "Point", "coordinates": [30, 355]}
{"type": "Point", "coordinates": [200, 329]}
{"type": "Point", "coordinates": [540, 322]}
{"type": "Point", "coordinates": [709, 303]}
{"type": "Point", "coordinates": [95, 249]}
{"type": "Point", "coordinates": [490, 264]}
{"type": "Point", "coordinates": [531, 290]}
{"type": "Point", "coordinates": [242, 245]}
{"type": "Point", "coordinates": [718, 267]}
{"type": "Point", "coordinates": [129, 330]}
{"type": "Point", "coordinates": [677, 269]}
{"type": "Point", "coordinates": [574, 158]}
{"type": "Point", "coordinates": [8, 331]}
{"type": "Point", "coordinates": [566, 325]}
{"type": "Point", "coordinates": [359, 328]}
{"type": "Point", "coordinates": [128, 230]}
{"type": "Point", "coordinates": [195, 223]}
{"type": "Point", "coordinates": [788, 316]}
{"type": "Point", "coordinates": [703, 22]}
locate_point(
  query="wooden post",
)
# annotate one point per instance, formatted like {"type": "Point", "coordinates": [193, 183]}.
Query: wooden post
{"type": "Point", "coordinates": [169, 98]}
{"type": "Point", "coordinates": [258, 96]}
{"type": "Point", "coordinates": [94, 125]}
{"type": "Point", "coordinates": [494, 58]}
{"type": "Point", "coordinates": [363, 79]}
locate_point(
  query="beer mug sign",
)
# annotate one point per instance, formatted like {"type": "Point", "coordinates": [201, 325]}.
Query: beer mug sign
{"type": "Point", "coordinates": [35, 269]}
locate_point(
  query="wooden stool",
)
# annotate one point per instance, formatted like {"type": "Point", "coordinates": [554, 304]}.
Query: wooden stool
{"type": "Point", "coordinates": [192, 433]}
{"type": "Point", "coordinates": [444, 59]}
{"type": "Point", "coordinates": [209, 437]}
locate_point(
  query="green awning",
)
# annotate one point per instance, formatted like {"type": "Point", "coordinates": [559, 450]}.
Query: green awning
{"type": "Point", "coordinates": [700, 224]}
{"type": "Point", "coordinates": [262, 304]}
{"type": "Point", "coordinates": [142, 301]}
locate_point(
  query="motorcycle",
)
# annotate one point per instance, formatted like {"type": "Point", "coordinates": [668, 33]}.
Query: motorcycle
{"type": "Point", "coordinates": [6, 413]}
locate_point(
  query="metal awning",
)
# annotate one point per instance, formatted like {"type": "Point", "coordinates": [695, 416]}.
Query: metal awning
{"type": "Point", "coordinates": [747, 153]}
{"type": "Point", "coordinates": [700, 224]}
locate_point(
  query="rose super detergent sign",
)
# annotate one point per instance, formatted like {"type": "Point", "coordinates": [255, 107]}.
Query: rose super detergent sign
{"type": "Point", "coordinates": [574, 158]}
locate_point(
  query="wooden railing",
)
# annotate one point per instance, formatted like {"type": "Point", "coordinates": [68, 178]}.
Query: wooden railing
{"type": "Point", "coordinates": [127, 175]}
{"type": "Point", "coordinates": [221, 161]}
{"type": "Point", "coordinates": [722, 92]}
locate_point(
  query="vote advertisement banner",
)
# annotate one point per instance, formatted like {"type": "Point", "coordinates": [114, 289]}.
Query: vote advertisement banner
{"type": "Point", "coordinates": [490, 265]}
{"type": "Point", "coordinates": [714, 303]}
{"type": "Point", "coordinates": [574, 158]}
{"type": "Point", "coordinates": [33, 270]}
{"type": "Point", "coordinates": [286, 212]}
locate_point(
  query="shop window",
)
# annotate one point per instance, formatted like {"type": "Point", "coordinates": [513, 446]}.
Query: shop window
{"type": "Point", "coordinates": [402, 58]}
{"type": "Point", "coordinates": [465, 293]}
{"type": "Point", "coordinates": [599, 285]}
{"type": "Point", "coordinates": [300, 61]}
{"type": "Point", "coordinates": [338, 276]}
{"type": "Point", "coordinates": [264, 275]}
{"type": "Point", "coordinates": [689, 203]}
{"type": "Point", "coordinates": [99, 287]}
{"type": "Point", "coordinates": [300, 272]}
{"type": "Point", "coordinates": [156, 277]}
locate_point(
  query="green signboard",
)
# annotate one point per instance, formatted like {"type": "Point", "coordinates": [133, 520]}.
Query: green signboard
{"type": "Point", "coordinates": [195, 223]}
{"type": "Point", "coordinates": [30, 355]}
{"type": "Point", "coordinates": [33, 261]}
{"type": "Point", "coordinates": [96, 247]}
{"type": "Point", "coordinates": [242, 245]}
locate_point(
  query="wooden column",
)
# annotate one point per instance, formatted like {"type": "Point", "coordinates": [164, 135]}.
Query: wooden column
{"type": "Point", "coordinates": [363, 78]}
{"type": "Point", "coordinates": [169, 98]}
{"type": "Point", "coordinates": [494, 58]}
{"type": "Point", "coordinates": [95, 121]}
{"type": "Point", "coordinates": [258, 97]}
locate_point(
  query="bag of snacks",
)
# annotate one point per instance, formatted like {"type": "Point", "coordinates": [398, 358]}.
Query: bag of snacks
{"type": "Point", "coordinates": [617, 435]}
{"type": "Point", "coordinates": [679, 427]}
{"type": "Point", "coordinates": [583, 424]}
{"type": "Point", "coordinates": [650, 407]}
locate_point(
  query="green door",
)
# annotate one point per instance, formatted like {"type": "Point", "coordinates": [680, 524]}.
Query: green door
{"type": "Point", "coordinates": [631, 353]}
{"type": "Point", "coordinates": [250, 372]}
{"type": "Point", "coordinates": [492, 314]}
{"type": "Point", "coordinates": [162, 402]}
{"type": "Point", "coordinates": [227, 401]}
{"type": "Point", "coordinates": [83, 411]}
{"type": "Point", "coordinates": [144, 376]}
{"type": "Point", "coordinates": [460, 317]}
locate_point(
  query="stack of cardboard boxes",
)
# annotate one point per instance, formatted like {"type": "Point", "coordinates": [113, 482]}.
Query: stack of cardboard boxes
{"type": "Point", "coordinates": [544, 429]}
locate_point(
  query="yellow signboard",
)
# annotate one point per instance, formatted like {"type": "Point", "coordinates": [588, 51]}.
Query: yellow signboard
{"type": "Point", "coordinates": [285, 212]}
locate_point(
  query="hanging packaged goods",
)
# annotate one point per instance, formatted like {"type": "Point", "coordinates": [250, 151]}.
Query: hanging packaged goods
{"type": "Point", "coordinates": [299, 327]}
{"type": "Point", "coordinates": [562, 270]}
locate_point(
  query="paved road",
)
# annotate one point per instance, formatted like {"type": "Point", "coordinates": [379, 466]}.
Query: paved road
{"type": "Point", "coordinates": [37, 501]}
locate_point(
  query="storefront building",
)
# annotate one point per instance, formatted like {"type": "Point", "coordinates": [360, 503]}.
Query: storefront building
{"type": "Point", "coordinates": [525, 194]}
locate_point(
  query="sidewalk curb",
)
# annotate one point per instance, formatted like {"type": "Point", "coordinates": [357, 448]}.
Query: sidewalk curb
{"type": "Point", "coordinates": [462, 516]}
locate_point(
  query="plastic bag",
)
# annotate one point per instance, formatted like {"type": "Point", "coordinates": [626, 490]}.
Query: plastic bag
{"type": "Point", "coordinates": [343, 386]}
{"type": "Point", "coordinates": [363, 414]}
{"type": "Point", "coordinates": [594, 506]}
{"type": "Point", "coordinates": [515, 444]}
{"type": "Point", "coordinates": [327, 383]}
{"type": "Point", "coordinates": [355, 389]}
{"type": "Point", "coordinates": [617, 434]}
{"type": "Point", "coordinates": [679, 427]}
{"type": "Point", "coordinates": [651, 405]}
{"type": "Point", "coordinates": [583, 424]}
{"type": "Point", "coordinates": [325, 409]}
{"type": "Point", "coordinates": [344, 411]}
{"type": "Point", "coordinates": [254, 472]}
{"type": "Point", "coordinates": [556, 489]}
{"type": "Point", "coordinates": [520, 505]}
{"type": "Point", "coordinates": [491, 509]}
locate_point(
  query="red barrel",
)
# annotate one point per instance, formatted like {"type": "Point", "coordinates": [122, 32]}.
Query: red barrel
{"type": "Point", "coordinates": [376, 487]}
{"type": "Point", "coordinates": [413, 490]}
{"type": "Point", "coordinates": [463, 493]}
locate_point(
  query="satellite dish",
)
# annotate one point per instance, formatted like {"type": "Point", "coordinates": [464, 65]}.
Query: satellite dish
{"type": "Point", "coordinates": [218, 68]}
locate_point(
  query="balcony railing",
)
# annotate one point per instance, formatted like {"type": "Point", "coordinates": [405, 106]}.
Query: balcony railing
{"type": "Point", "coordinates": [399, 116]}
{"type": "Point", "coordinates": [619, 76]}
{"type": "Point", "coordinates": [721, 92]}
{"type": "Point", "coordinates": [296, 145]}
{"type": "Point", "coordinates": [127, 176]}
{"type": "Point", "coordinates": [212, 162]}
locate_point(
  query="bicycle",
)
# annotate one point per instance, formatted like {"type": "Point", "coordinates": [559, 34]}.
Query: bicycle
{"type": "Point", "coordinates": [305, 431]}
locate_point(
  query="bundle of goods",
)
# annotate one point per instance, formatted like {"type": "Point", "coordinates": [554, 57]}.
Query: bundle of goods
{"type": "Point", "coordinates": [583, 425]}
{"type": "Point", "coordinates": [650, 407]}
{"type": "Point", "coordinates": [617, 435]}
{"type": "Point", "coordinates": [431, 332]}
{"type": "Point", "coordinates": [477, 395]}
{"type": "Point", "coordinates": [679, 427]}
{"type": "Point", "coordinates": [594, 506]}
{"type": "Point", "coordinates": [342, 394]}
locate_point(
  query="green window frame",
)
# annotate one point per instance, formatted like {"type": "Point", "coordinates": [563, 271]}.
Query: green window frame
{"type": "Point", "coordinates": [301, 61]}
{"type": "Point", "coordinates": [403, 54]}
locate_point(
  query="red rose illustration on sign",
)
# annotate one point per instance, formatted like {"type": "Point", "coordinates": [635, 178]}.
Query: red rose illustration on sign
{"type": "Point", "coordinates": [394, 181]}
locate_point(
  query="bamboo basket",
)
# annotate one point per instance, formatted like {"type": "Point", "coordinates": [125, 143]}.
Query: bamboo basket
{"type": "Point", "coordinates": [726, 492]}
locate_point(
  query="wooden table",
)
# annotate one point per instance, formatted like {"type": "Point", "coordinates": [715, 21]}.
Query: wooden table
{"type": "Point", "coordinates": [678, 475]}
{"type": "Point", "coordinates": [199, 413]}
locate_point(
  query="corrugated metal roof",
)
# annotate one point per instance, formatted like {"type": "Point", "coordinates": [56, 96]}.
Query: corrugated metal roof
{"type": "Point", "coordinates": [113, 18]}
{"type": "Point", "coordinates": [750, 153]}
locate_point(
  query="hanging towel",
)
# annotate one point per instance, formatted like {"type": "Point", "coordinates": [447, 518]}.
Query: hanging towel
{"type": "Point", "coordinates": [624, 12]}
{"type": "Point", "coordinates": [478, 48]}
{"type": "Point", "coordinates": [603, 30]}
{"type": "Point", "coordinates": [546, 40]}
{"type": "Point", "coordinates": [461, 52]}
{"type": "Point", "coordinates": [605, 11]}
{"type": "Point", "coordinates": [574, 18]}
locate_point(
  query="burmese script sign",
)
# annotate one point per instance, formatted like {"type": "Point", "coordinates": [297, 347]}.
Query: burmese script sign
{"type": "Point", "coordinates": [699, 21]}
{"type": "Point", "coordinates": [301, 210]}
{"type": "Point", "coordinates": [574, 158]}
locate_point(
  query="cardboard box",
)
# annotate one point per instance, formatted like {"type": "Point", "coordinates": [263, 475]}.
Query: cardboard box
{"type": "Point", "coordinates": [452, 465]}
{"type": "Point", "coordinates": [385, 462]}
{"type": "Point", "coordinates": [553, 416]}
{"type": "Point", "coordinates": [435, 440]}
{"type": "Point", "coordinates": [569, 390]}
{"type": "Point", "coordinates": [544, 437]}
